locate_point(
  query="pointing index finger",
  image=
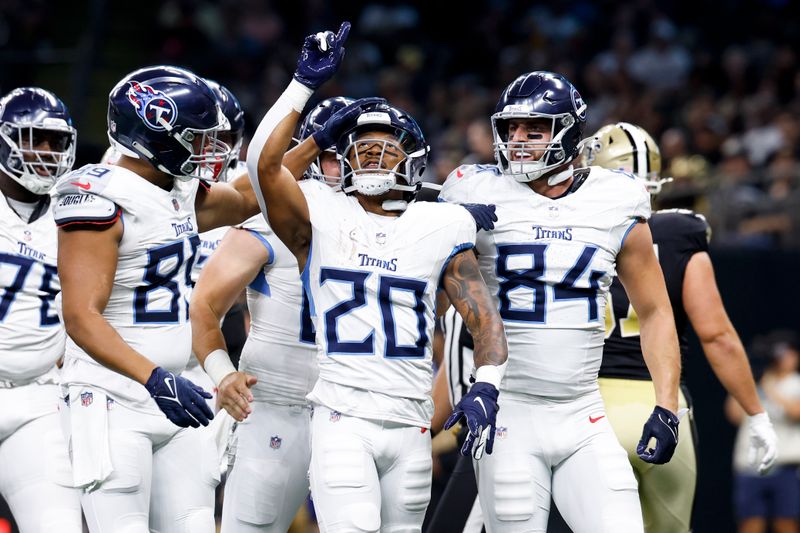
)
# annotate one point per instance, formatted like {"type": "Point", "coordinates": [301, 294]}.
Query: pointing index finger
{"type": "Point", "coordinates": [344, 31]}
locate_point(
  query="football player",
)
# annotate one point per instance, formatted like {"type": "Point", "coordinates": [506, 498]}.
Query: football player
{"type": "Point", "coordinates": [372, 262]}
{"type": "Point", "coordinates": [37, 145]}
{"type": "Point", "coordinates": [548, 263]}
{"type": "Point", "coordinates": [680, 240]}
{"type": "Point", "coordinates": [128, 238]}
{"type": "Point", "coordinates": [278, 366]}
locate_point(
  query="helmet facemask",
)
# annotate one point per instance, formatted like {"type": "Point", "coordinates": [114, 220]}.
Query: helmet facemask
{"type": "Point", "coordinates": [35, 169]}
{"type": "Point", "coordinates": [316, 171]}
{"type": "Point", "coordinates": [553, 154]}
{"type": "Point", "coordinates": [234, 139]}
{"type": "Point", "coordinates": [372, 165]}
{"type": "Point", "coordinates": [209, 156]}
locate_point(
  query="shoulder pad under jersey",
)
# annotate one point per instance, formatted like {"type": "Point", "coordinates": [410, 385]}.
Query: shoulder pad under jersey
{"type": "Point", "coordinates": [456, 188]}
{"type": "Point", "coordinates": [79, 197]}
{"type": "Point", "coordinates": [697, 219]}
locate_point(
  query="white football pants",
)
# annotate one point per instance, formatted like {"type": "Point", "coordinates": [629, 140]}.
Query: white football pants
{"type": "Point", "coordinates": [269, 479]}
{"type": "Point", "coordinates": [567, 448]}
{"type": "Point", "coordinates": [35, 474]}
{"type": "Point", "coordinates": [163, 476]}
{"type": "Point", "coordinates": [368, 475]}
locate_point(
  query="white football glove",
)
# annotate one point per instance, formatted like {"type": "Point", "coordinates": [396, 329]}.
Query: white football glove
{"type": "Point", "coordinates": [762, 436]}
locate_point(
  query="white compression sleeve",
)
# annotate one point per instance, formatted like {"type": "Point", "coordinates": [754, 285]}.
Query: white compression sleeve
{"type": "Point", "coordinates": [294, 98]}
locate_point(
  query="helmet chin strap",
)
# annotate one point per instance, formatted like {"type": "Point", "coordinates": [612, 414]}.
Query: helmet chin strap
{"type": "Point", "coordinates": [560, 177]}
{"type": "Point", "coordinates": [394, 205]}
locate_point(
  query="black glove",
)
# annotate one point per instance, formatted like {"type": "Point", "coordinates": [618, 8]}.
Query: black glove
{"type": "Point", "coordinates": [182, 401]}
{"type": "Point", "coordinates": [663, 426]}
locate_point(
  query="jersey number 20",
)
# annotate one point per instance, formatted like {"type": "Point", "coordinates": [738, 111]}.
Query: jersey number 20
{"type": "Point", "coordinates": [386, 285]}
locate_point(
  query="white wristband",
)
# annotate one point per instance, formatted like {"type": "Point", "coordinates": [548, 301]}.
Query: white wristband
{"type": "Point", "coordinates": [297, 95]}
{"type": "Point", "coordinates": [218, 365]}
{"type": "Point", "coordinates": [491, 374]}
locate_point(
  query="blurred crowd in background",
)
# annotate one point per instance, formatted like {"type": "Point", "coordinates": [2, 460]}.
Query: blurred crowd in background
{"type": "Point", "coordinates": [716, 83]}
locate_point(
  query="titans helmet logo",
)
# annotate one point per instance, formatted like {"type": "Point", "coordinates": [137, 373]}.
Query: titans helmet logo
{"type": "Point", "coordinates": [157, 110]}
{"type": "Point", "coordinates": [578, 103]}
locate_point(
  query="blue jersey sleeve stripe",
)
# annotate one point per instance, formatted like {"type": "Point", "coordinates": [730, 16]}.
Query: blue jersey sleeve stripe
{"type": "Point", "coordinates": [458, 249]}
{"type": "Point", "coordinates": [266, 244]}
{"type": "Point", "coordinates": [304, 278]}
{"type": "Point", "coordinates": [625, 236]}
{"type": "Point", "coordinates": [260, 284]}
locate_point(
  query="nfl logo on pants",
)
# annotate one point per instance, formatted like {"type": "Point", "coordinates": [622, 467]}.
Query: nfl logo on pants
{"type": "Point", "coordinates": [86, 399]}
{"type": "Point", "coordinates": [275, 442]}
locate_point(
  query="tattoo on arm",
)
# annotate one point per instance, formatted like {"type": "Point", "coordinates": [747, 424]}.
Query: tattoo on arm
{"type": "Point", "coordinates": [470, 296]}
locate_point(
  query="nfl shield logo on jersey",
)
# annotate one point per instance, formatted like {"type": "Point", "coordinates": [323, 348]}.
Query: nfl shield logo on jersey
{"type": "Point", "coordinates": [336, 416]}
{"type": "Point", "coordinates": [86, 399]}
{"type": "Point", "coordinates": [275, 442]}
{"type": "Point", "coordinates": [501, 432]}
{"type": "Point", "coordinates": [176, 205]}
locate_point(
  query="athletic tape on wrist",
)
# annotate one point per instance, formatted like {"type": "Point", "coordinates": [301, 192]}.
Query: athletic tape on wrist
{"type": "Point", "coordinates": [218, 365]}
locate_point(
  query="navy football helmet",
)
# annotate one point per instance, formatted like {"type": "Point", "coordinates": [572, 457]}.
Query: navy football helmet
{"type": "Point", "coordinates": [376, 178]}
{"type": "Point", "coordinates": [37, 140]}
{"type": "Point", "coordinates": [313, 122]}
{"type": "Point", "coordinates": [171, 118]}
{"type": "Point", "coordinates": [234, 136]}
{"type": "Point", "coordinates": [538, 95]}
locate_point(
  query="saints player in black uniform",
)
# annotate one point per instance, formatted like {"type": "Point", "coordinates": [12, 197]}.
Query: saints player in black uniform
{"type": "Point", "coordinates": [681, 241]}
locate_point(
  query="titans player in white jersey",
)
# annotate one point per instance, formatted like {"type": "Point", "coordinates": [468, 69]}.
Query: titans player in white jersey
{"type": "Point", "coordinates": [127, 242]}
{"type": "Point", "coordinates": [681, 240]}
{"type": "Point", "coordinates": [37, 145]}
{"type": "Point", "coordinates": [549, 262]}
{"type": "Point", "coordinates": [278, 366]}
{"type": "Point", "coordinates": [372, 262]}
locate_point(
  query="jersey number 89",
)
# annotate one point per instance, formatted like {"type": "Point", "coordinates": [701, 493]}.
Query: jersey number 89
{"type": "Point", "coordinates": [157, 279]}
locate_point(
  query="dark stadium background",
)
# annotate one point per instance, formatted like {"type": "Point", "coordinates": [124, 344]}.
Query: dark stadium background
{"type": "Point", "coordinates": [716, 82]}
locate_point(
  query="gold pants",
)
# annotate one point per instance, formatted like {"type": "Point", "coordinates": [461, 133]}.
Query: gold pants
{"type": "Point", "coordinates": [666, 491]}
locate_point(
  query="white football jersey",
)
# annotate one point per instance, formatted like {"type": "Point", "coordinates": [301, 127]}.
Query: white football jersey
{"type": "Point", "coordinates": [31, 335]}
{"type": "Point", "coordinates": [549, 264]}
{"type": "Point", "coordinates": [280, 349]}
{"type": "Point", "coordinates": [373, 282]}
{"type": "Point", "coordinates": [148, 305]}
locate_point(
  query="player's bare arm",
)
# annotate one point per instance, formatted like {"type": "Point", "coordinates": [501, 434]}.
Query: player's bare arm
{"type": "Point", "coordinates": [725, 354]}
{"type": "Point", "coordinates": [225, 204]}
{"type": "Point", "coordinates": [86, 250]}
{"type": "Point", "coordinates": [640, 274]}
{"type": "Point", "coordinates": [467, 291]}
{"type": "Point", "coordinates": [441, 401]}
{"type": "Point", "coordinates": [286, 207]}
{"type": "Point", "coordinates": [230, 268]}
{"type": "Point", "coordinates": [281, 199]}
{"type": "Point", "coordinates": [719, 339]}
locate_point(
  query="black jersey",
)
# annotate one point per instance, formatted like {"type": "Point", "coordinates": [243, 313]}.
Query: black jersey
{"type": "Point", "coordinates": [678, 234]}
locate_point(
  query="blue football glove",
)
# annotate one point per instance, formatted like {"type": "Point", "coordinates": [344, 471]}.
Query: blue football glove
{"type": "Point", "coordinates": [479, 408]}
{"type": "Point", "coordinates": [663, 426]}
{"type": "Point", "coordinates": [341, 121]}
{"type": "Point", "coordinates": [320, 57]}
{"type": "Point", "coordinates": [483, 214]}
{"type": "Point", "coordinates": [182, 401]}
